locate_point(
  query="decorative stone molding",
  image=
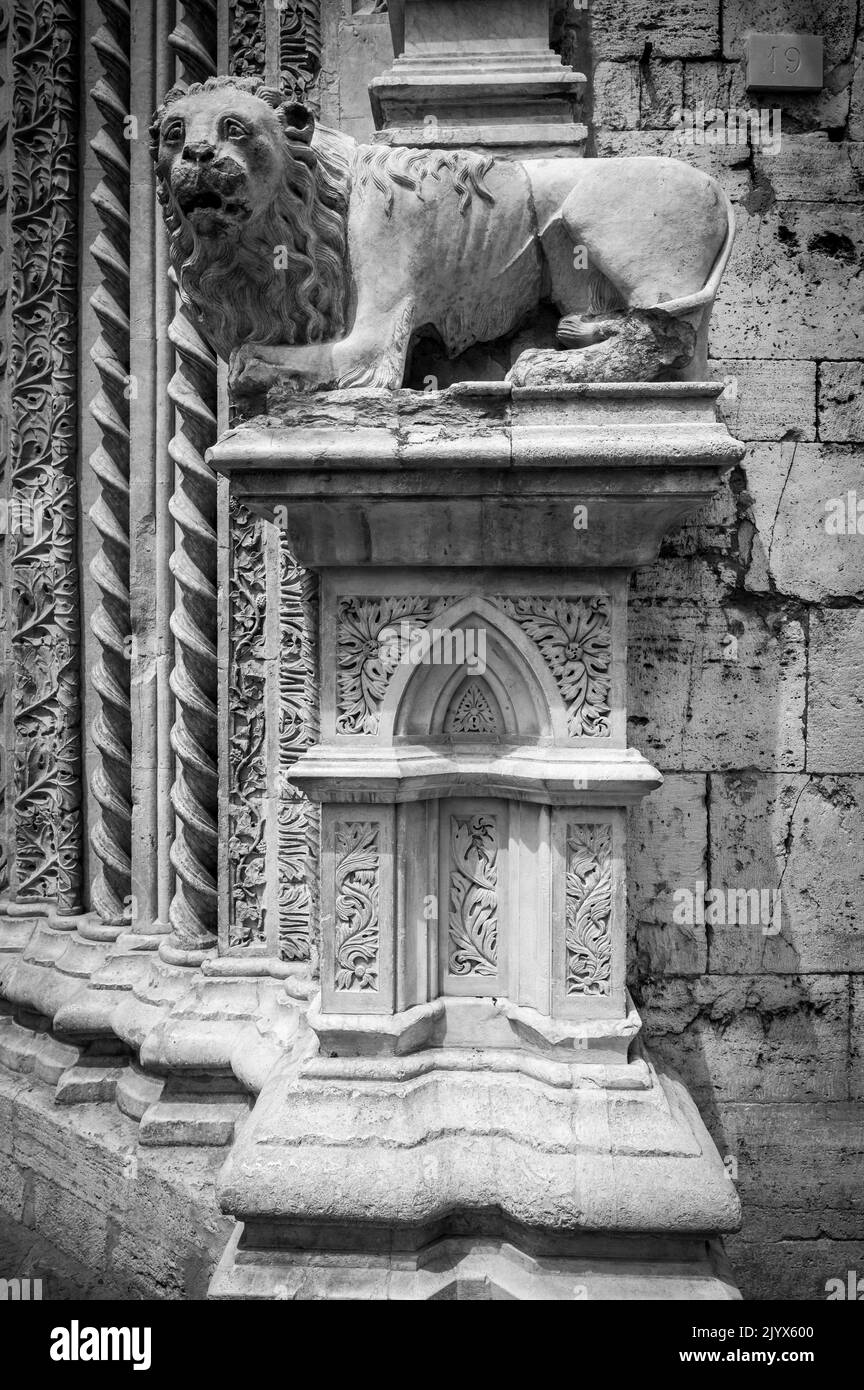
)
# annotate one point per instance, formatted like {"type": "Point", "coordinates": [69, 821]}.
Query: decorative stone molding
{"type": "Point", "coordinates": [247, 732]}
{"type": "Point", "coordinates": [298, 818]}
{"type": "Point", "coordinates": [6, 816]}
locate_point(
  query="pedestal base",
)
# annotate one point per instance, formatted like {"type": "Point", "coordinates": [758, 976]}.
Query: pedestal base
{"type": "Point", "coordinates": [456, 1268]}
{"type": "Point", "coordinates": [431, 1180]}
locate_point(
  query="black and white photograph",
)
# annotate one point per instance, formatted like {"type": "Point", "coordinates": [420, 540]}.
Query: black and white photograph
{"type": "Point", "coordinates": [431, 669]}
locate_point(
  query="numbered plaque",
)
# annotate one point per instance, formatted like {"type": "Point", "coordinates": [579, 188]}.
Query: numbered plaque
{"type": "Point", "coordinates": [784, 61]}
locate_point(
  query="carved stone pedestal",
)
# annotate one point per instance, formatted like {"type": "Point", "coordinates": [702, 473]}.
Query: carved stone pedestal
{"type": "Point", "coordinates": [480, 1113]}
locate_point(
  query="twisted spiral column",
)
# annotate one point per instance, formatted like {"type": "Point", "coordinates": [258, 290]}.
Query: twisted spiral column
{"type": "Point", "coordinates": [111, 622]}
{"type": "Point", "coordinates": [192, 390]}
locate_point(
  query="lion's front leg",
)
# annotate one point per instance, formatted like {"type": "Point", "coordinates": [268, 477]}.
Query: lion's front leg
{"type": "Point", "coordinates": [255, 367]}
{"type": "Point", "coordinates": [375, 351]}
{"type": "Point", "coordinates": [373, 354]}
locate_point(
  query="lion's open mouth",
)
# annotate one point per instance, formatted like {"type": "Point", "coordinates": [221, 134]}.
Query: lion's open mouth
{"type": "Point", "coordinates": [205, 203]}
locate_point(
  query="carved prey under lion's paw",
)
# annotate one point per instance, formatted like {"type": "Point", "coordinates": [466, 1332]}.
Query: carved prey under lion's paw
{"type": "Point", "coordinates": [320, 259]}
{"type": "Point", "coordinates": [647, 343]}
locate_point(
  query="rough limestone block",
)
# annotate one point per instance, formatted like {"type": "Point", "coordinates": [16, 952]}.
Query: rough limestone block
{"type": "Point", "coordinates": [676, 29]}
{"type": "Point", "coordinates": [835, 724]}
{"type": "Point", "coordinates": [768, 1037]}
{"type": "Point", "coordinates": [694, 577]}
{"type": "Point", "coordinates": [716, 685]}
{"type": "Point", "coordinates": [767, 400]}
{"type": "Point", "coordinates": [813, 169]}
{"type": "Point", "coordinates": [833, 19]}
{"type": "Point", "coordinates": [790, 487]}
{"type": "Point", "coordinates": [799, 843]}
{"type": "Point", "coordinates": [856, 1068]}
{"type": "Point", "coordinates": [145, 1220]}
{"type": "Point", "coordinates": [856, 105]}
{"type": "Point", "coordinates": [365, 51]}
{"type": "Point", "coordinates": [715, 85]}
{"type": "Point", "coordinates": [841, 400]}
{"type": "Point", "coordinates": [712, 529]}
{"type": "Point", "coordinates": [800, 1169]}
{"type": "Point", "coordinates": [795, 271]}
{"type": "Point", "coordinates": [661, 94]}
{"type": "Point", "coordinates": [730, 164]}
{"type": "Point", "coordinates": [616, 95]}
{"type": "Point", "coordinates": [790, 1269]}
{"type": "Point", "coordinates": [666, 843]}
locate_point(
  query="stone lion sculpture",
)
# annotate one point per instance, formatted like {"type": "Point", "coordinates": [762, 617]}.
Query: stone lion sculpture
{"type": "Point", "coordinates": [310, 258]}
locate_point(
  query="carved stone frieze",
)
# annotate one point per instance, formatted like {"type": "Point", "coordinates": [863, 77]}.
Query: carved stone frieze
{"type": "Point", "coordinates": [247, 731]}
{"type": "Point", "coordinates": [6, 818]}
{"type": "Point", "coordinates": [44, 601]}
{"type": "Point", "coordinates": [299, 818]}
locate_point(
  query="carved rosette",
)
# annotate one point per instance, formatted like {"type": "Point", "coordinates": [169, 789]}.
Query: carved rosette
{"type": "Point", "coordinates": [247, 730]}
{"type": "Point", "coordinates": [299, 818]}
{"type": "Point", "coordinates": [574, 637]}
{"type": "Point", "coordinates": [192, 390]}
{"type": "Point", "coordinates": [44, 601]}
{"type": "Point", "coordinates": [358, 871]}
{"type": "Point", "coordinates": [111, 622]}
{"type": "Point", "coordinates": [588, 911]}
{"type": "Point", "coordinates": [472, 924]}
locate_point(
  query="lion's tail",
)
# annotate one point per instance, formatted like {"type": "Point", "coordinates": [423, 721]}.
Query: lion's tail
{"type": "Point", "coordinates": [679, 307]}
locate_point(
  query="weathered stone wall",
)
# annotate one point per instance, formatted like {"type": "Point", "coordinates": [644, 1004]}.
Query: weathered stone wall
{"type": "Point", "coordinates": [747, 644]}
{"type": "Point", "coordinates": [747, 639]}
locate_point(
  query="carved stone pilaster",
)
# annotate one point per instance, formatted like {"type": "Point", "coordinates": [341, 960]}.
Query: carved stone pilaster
{"type": "Point", "coordinates": [44, 602]}
{"type": "Point", "coordinates": [111, 622]}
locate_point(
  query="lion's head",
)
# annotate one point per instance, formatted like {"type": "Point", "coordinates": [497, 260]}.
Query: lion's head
{"type": "Point", "coordinates": [256, 213]}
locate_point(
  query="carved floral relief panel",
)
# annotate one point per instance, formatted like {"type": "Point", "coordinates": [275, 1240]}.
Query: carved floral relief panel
{"type": "Point", "coordinates": [472, 909]}
{"type": "Point", "coordinates": [588, 909]}
{"type": "Point", "coordinates": [358, 869]}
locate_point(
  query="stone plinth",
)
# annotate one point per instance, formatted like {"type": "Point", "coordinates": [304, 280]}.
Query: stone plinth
{"type": "Point", "coordinates": [477, 73]}
{"type": "Point", "coordinates": [479, 1074]}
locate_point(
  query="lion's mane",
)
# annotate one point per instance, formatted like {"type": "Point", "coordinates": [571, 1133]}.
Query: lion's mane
{"type": "Point", "coordinates": [238, 289]}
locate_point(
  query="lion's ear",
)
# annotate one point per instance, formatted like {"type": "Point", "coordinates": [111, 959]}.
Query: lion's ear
{"type": "Point", "coordinates": [299, 121]}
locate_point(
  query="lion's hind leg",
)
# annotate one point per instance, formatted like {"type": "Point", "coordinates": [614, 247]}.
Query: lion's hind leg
{"type": "Point", "coordinates": [647, 344]}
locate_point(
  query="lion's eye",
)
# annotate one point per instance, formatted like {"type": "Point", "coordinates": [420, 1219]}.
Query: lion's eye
{"type": "Point", "coordinates": [235, 130]}
{"type": "Point", "coordinates": [173, 132]}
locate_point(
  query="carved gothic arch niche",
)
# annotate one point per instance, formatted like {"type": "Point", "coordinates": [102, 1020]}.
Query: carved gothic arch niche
{"type": "Point", "coordinates": [512, 679]}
